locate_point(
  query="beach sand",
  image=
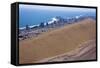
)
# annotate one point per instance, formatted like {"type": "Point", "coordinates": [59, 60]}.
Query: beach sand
{"type": "Point", "coordinates": [57, 42]}
{"type": "Point", "coordinates": [85, 51]}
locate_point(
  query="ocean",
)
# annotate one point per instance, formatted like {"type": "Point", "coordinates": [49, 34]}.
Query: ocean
{"type": "Point", "coordinates": [36, 16]}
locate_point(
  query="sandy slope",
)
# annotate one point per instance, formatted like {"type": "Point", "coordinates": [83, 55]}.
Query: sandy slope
{"type": "Point", "coordinates": [56, 42]}
{"type": "Point", "coordinates": [85, 51]}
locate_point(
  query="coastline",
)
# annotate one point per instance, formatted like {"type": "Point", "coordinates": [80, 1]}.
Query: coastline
{"type": "Point", "coordinates": [56, 23]}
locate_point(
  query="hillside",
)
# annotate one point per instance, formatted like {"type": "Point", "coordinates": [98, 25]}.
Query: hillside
{"type": "Point", "coordinates": [57, 41]}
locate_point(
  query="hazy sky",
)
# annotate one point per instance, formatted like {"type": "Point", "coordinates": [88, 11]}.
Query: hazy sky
{"type": "Point", "coordinates": [55, 8]}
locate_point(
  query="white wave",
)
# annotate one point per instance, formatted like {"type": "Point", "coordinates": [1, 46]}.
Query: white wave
{"type": "Point", "coordinates": [21, 28]}
{"type": "Point", "coordinates": [52, 21]}
{"type": "Point", "coordinates": [33, 26]}
{"type": "Point", "coordinates": [78, 16]}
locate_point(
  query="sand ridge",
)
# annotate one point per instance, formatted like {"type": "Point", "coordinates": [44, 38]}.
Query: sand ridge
{"type": "Point", "coordinates": [86, 50]}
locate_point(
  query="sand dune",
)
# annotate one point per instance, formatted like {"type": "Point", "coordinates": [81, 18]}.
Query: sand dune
{"type": "Point", "coordinates": [86, 50]}
{"type": "Point", "coordinates": [57, 41]}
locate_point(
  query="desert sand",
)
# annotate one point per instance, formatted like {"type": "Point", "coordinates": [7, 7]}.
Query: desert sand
{"type": "Point", "coordinates": [58, 42]}
{"type": "Point", "coordinates": [85, 51]}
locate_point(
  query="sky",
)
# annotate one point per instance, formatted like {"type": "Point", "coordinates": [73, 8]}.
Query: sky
{"type": "Point", "coordinates": [55, 8]}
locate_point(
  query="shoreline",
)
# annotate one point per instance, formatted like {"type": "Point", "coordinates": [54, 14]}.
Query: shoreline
{"type": "Point", "coordinates": [35, 33]}
{"type": "Point", "coordinates": [31, 26]}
